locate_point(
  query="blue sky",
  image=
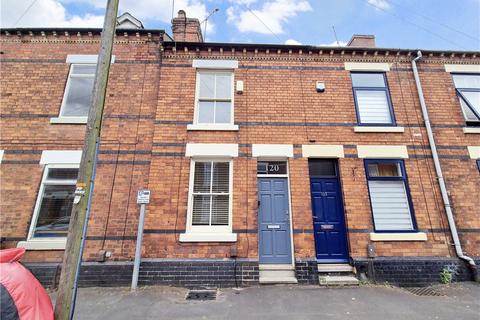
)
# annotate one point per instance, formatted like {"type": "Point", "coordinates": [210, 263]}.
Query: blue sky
{"type": "Point", "coordinates": [427, 24]}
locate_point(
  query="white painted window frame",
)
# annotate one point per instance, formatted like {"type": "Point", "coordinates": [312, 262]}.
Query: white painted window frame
{"type": "Point", "coordinates": [71, 119]}
{"type": "Point", "coordinates": [214, 126]}
{"type": "Point", "coordinates": [47, 242]}
{"type": "Point", "coordinates": [209, 233]}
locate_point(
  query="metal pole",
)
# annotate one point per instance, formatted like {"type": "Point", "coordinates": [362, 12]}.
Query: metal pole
{"type": "Point", "coordinates": [73, 252]}
{"type": "Point", "coordinates": [138, 248]}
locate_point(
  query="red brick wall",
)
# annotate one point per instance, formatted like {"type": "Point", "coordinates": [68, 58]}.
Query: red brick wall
{"type": "Point", "coordinates": [144, 136]}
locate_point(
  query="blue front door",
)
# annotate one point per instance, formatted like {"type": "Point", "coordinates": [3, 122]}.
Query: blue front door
{"type": "Point", "coordinates": [328, 218]}
{"type": "Point", "coordinates": [274, 244]}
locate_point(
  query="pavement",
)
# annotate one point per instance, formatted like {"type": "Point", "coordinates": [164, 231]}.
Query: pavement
{"type": "Point", "coordinates": [459, 301]}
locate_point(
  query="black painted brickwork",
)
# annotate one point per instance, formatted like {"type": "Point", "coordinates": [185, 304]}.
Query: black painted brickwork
{"type": "Point", "coordinates": [199, 274]}
{"type": "Point", "coordinates": [306, 271]}
{"type": "Point", "coordinates": [182, 273]}
{"type": "Point", "coordinates": [412, 272]}
{"type": "Point", "coordinates": [230, 273]}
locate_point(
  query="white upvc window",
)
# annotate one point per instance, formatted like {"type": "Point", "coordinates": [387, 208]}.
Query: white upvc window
{"type": "Point", "coordinates": [78, 91]}
{"type": "Point", "coordinates": [51, 215]}
{"type": "Point", "coordinates": [214, 98]}
{"type": "Point", "coordinates": [210, 196]}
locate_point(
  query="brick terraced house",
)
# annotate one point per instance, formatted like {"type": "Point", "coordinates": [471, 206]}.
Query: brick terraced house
{"type": "Point", "coordinates": [266, 163]}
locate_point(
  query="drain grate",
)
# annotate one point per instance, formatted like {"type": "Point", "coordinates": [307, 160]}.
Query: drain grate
{"type": "Point", "coordinates": [201, 295]}
{"type": "Point", "coordinates": [424, 291]}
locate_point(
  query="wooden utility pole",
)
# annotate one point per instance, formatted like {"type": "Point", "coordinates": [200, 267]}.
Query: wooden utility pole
{"type": "Point", "coordinates": [73, 252]}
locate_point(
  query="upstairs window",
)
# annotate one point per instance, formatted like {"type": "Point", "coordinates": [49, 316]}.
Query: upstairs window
{"type": "Point", "coordinates": [372, 99]}
{"type": "Point", "coordinates": [389, 196]}
{"type": "Point", "coordinates": [214, 101]}
{"type": "Point", "coordinates": [78, 91]}
{"type": "Point", "coordinates": [210, 195]}
{"type": "Point", "coordinates": [468, 91]}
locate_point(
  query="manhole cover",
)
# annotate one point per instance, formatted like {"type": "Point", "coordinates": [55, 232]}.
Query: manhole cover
{"type": "Point", "coordinates": [201, 295]}
{"type": "Point", "coordinates": [424, 291]}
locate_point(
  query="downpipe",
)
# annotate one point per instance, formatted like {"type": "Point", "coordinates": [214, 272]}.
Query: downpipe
{"type": "Point", "coordinates": [438, 169]}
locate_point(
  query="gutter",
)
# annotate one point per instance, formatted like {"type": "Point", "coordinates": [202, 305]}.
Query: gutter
{"type": "Point", "coordinates": [438, 169]}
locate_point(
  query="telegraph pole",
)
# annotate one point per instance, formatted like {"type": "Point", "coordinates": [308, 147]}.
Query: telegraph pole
{"type": "Point", "coordinates": [66, 293]}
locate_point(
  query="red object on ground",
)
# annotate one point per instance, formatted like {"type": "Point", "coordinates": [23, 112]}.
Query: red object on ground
{"type": "Point", "coordinates": [30, 298]}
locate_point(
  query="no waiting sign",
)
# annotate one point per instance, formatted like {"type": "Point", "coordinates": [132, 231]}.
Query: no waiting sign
{"type": "Point", "coordinates": [143, 197]}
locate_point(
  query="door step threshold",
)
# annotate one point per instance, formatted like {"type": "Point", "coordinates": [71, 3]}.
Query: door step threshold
{"type": "Point", "coordinates": [337, 267]}
{"type": "Point", "coordinates": [338, 281]}
{"type": "Point", "coordinates": [276, 267]}
{"type": "Point", "coordinates": [278, 280]}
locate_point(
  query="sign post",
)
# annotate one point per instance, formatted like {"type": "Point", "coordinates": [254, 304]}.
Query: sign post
{"type": "Point", "coordinates": [143, 198]}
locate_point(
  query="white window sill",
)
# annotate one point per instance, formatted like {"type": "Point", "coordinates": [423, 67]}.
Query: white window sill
{"type": "Point", "coordinates": [212, 127]}
{"type": "Point", "coordinates": [50, 244]}
{"type": "Point", "coordinates": [208, 237]}
{"type": "Point", "coordinates": [471, 130]}
{"type": "Point", "coordinates": [378, 129]}
{"type": "Point", "coordinates": [69, 120]}
{"type": "Point", "coordinates": [418, 236]}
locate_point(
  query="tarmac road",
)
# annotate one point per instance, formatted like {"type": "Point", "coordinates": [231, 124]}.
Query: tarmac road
{"type": "Point", "coordinates": [461, 301]}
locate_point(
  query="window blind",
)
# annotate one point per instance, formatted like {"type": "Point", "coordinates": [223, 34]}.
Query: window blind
{"type": "Point", "coordinates": [211, 194]}
{"type": "Point", "coordinates": [390, 206]}
{"type": "Point", "coordinates": [373, 106]}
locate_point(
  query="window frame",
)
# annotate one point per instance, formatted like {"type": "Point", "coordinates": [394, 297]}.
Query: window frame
{"type": "Point", "coordinates": [460, 96]}
{"type": "Point", "coordinates": [478, 165]}
{"type": "Point", "coordinates": [38, 202]}
{"type": "Point", "coordinates": [198, 98]}
{"type": "Point", "coordinates": [386, 89]}
{"type": "Point", "coordinates": [403, 178]}
{"type": "Point", "coordinates": [67, 90]}
{"type": "Point", "coordinates": [190, 228]}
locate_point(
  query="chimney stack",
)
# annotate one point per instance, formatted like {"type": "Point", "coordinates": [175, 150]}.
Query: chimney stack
{"type": "Point", "coordinates": [186, 29]}
{"type": "Point", "coordinates": [362, 41]}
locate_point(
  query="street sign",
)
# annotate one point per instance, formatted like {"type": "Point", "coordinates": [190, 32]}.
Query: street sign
{"type": "Point", "coordinates": [143, 197]}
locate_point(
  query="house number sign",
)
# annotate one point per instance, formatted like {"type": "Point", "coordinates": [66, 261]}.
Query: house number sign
{"type": "Point", "coordinates": [272, 167]}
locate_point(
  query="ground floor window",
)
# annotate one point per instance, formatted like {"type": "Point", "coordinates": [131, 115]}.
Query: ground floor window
{"type": "Point", "coordinates": [54, 203]}
{"type": "Point", "coordinates": [389, 196]}
{"type": "Point", "coordinates": [210, 195]}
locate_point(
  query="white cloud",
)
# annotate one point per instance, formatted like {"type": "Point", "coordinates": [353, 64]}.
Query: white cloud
{"type": "Point", "coordinates": [379, 4]}
{"type": "Point", "coordinates": [245, 2]}
{"type": "Point", "coordinates": [293, 42]}
{"type": "Point", "coordinates": [334, 44]}
{"type": "Point", "coordinates": [43, 13]}
{"type": "Point", "coordinates": [52, 13]}
{"type": "Point", "coordinates": [275, 14]}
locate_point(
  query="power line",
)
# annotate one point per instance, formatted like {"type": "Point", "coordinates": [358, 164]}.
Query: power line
{"type": "Point", "coordinates": [434, 21]}
{"type": "Point", "coordinates": [24, 12]}
{"type": "Point", "coordinates": [417, 25]}
{"type": "Point", "coordinates": [266, 26]}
